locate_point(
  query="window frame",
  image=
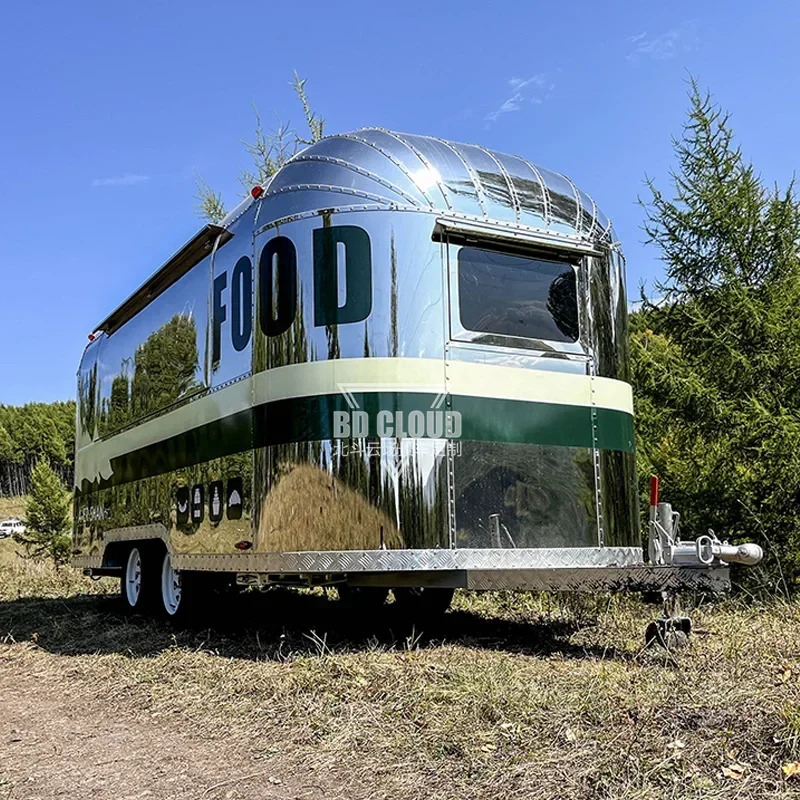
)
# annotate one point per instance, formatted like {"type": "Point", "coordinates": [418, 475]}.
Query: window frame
{"type": "Point", "coordinates": [458, 333]}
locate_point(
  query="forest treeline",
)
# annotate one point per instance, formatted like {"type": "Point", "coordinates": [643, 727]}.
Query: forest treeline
{"type": "Point", "coordinates": [31, 432]}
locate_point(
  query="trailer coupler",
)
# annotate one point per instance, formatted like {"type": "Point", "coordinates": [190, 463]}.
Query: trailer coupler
{"type": "Point", "coordinates": [666, 548]}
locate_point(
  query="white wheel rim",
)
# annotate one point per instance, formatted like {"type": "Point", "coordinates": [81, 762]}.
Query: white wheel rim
{"type": "Point", "coordinates": [170, 587]}
{"type": "Point", "coordinates": [133, 577]}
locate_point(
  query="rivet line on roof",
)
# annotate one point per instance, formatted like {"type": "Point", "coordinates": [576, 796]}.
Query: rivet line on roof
{"type": "Point", "coordinates": [386, 154]}
{"type": "Point", "coordinates": [340, 162]}
{"type": "Point", "coordinates": [424, 161]}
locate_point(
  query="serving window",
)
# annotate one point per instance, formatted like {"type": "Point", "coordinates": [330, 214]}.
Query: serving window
{"type": "Point", "coordinates": [513, 295]}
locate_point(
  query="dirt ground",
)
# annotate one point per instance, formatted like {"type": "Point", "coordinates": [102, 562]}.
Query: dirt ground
{"type": "Point", "coordinates": [60, 741]}
{"type": "Point", "coordinates": [287, 695]}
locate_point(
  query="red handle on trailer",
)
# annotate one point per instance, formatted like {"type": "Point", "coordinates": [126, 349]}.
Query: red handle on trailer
{"type": "Point", "coordinates": [654, 490]}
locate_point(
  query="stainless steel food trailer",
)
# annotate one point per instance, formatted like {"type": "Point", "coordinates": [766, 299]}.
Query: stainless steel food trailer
{"type": "Point", "coordinates": [401, 363]}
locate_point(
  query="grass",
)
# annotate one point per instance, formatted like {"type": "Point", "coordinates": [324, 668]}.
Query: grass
{"type": "Point", "coordinates": [509, 696]}
{"type": "Point", "coordinates": [12, 507]}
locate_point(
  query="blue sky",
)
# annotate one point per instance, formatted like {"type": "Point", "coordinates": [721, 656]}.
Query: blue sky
{"type": "Point", "coordinates": [108, 109]}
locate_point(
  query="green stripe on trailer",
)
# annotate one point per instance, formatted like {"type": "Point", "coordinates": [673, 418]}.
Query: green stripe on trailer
{"type": "Point", "coordinates": [306, 380]}
{"type": "Point", "coordinates": [308, 419]}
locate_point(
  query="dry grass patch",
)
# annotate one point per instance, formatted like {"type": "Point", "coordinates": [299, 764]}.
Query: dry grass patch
{"type": "Point", "coordinates": [12, 507]}
{"type": "Point", "coordinates": [22, 577]}
{"type": "Point", "coordinates": [510, 696]}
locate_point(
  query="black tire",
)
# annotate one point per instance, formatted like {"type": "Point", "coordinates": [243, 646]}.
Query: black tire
{"type": "Point", "coordinates": [139, 580]}
{"type": "Point", "coordinates": [421, 603]}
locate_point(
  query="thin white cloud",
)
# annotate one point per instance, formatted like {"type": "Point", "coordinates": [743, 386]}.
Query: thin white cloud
{"type": "Point", "coordinates": [682, 39]}
{"type": "Point", "coordinates": [535, 89]}
{"type": "Point", "coordinates": [122, 180]}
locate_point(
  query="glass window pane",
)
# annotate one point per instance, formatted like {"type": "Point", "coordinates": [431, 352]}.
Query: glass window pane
{"type": "Point", "coordinates": [513, 295]}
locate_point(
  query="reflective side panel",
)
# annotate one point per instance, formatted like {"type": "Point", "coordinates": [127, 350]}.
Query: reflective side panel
{"type": "Point", "coordinates": [608, 314]}
{"type": "Point", "coordinates": [314, 489]}
{"type": "Point", "coordinates": [518, 495]}
{"type": "Point", "coordinates": [351, 494]}
{"type": "Point", "coordinates": [86, 409]}
{"type": "Point", "coordinates": [523, 470]}
{"type": "Point", "coordinates": [156, 359]}
{"type": "Point", "coordinates": [204, 508]}
{"type": "Point", "coordinates": [621, 525]}
{"type": "Point", "coordinates": [406, 310]}
{"type": "Point", "coordinates": [232, 306]}
{"type": "Point", "coordinates": [152, 468]}
{"type": "Point", "coordinates": [619, 303]}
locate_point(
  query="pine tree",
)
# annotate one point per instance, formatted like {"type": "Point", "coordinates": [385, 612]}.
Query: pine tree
{"type": "Point", "coordinates": [48, 516]}
{"type": "Point", "coordinates": [716, 364]}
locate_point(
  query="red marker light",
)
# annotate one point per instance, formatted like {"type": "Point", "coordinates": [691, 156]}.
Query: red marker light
{"type": "Point", "coordinates": [92, 337]}
{"type": "Point", "coordinates": [256, 192]}
{"type": "Point", "coordinates": [654, 490]}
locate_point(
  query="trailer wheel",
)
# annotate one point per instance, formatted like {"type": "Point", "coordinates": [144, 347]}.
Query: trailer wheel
{"type": "Point", "coordinates": [421, 603]}
{"type": "Point", "coordinates": [185, 597]}
{"type": "Point", "coordinates": [138, 581]}
{"type": "Point", "coordinates": [172, 591]}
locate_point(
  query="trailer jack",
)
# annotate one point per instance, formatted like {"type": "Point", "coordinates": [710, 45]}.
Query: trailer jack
{"type": "Point", "coordinates": [668, 632]}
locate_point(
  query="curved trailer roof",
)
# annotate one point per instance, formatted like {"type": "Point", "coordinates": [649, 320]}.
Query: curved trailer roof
{"type": "Point", "coordinates": [423, 172]}
{"type": "Point", "coordinates": [465, 184]}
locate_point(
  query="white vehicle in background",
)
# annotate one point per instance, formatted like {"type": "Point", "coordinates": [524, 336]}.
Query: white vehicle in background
{"type": "Point", "coordinates": [10, 527]}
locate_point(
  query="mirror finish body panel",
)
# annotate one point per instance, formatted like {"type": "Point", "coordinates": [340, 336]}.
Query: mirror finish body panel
{"type": "Point", "coordinates": [180, 398]}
